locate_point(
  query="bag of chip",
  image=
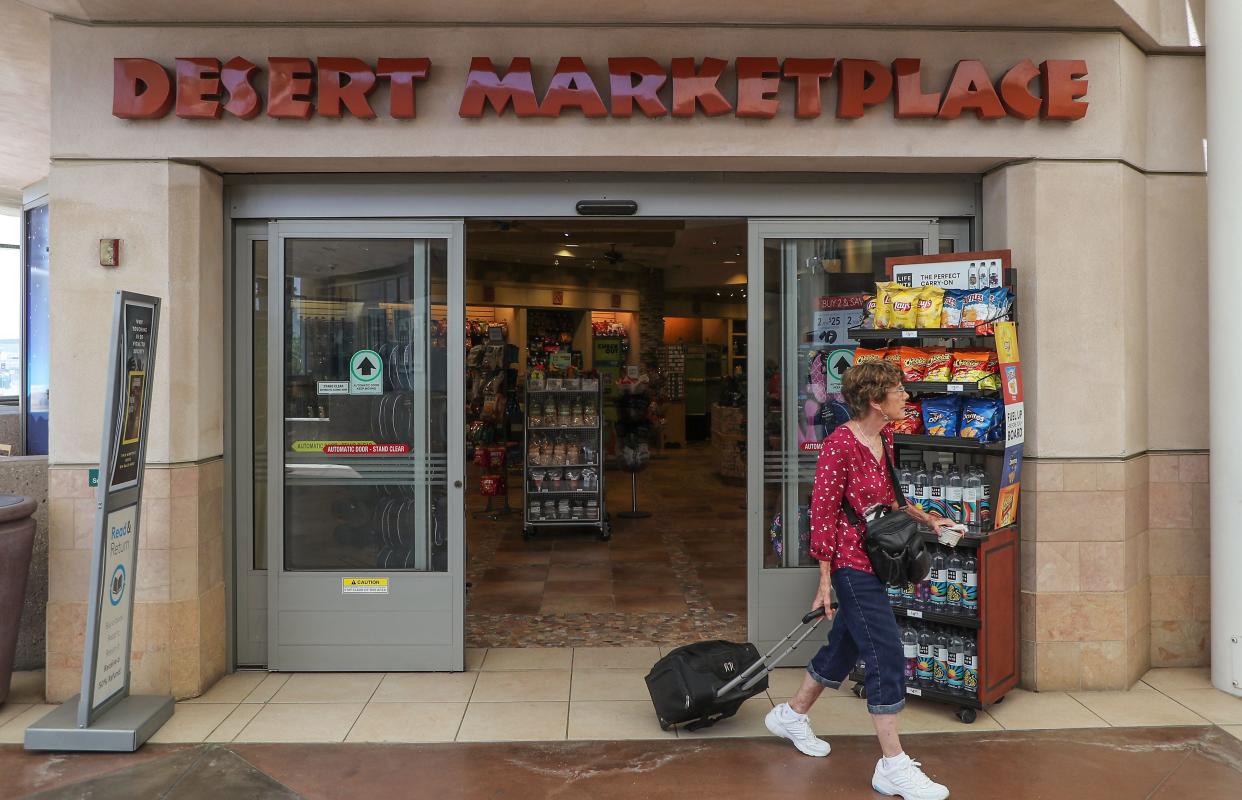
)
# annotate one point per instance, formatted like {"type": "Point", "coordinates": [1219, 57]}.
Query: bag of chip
{"type": "Point", "coordinates": [884, 304]}
{"type": "Point", "coordinates": [864, 354]}
{"type": "Point", "coordinates": [893, 356]}
{"type": "Point", "coordinates": [982, 419]}
{"type": "Point", "coordinates": [942, 415]}
{"type": "Point", "coordinates": [976, 308]}
{"type": "Point", "coordinates": [931, 307]}
{"type": "Point", "coordinates": [939, 365]}
{"type": "Point", "coordinates": [951, 312]}
{"type": "Point", "coordinates": [1000, 302]}
{"type": "Point", "coordinates": [973, 366]}
{"type": "Point", "coordinates": [905, 307]}
{"type": "Point", "coordinates": [913, 363]}
{"type": "Point", "coordinates": [869, 306]}
{"type": "Point", "coordinates": [912, 422]}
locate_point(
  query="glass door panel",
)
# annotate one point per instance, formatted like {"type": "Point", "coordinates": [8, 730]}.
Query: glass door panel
{"type": "Point", "coordinates": [365, 405]}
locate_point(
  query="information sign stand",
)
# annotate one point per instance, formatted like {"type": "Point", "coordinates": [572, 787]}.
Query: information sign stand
{"type": "Point", "coordinates": [105, 716]}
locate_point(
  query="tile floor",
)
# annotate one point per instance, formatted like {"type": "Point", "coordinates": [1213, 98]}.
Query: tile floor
{"type": "Point", "coordinates": [558, 694]}
{"type": "Point", "coordinates": [678, 575]}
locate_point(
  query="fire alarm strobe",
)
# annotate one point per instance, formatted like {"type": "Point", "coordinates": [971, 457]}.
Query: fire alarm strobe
{"type": "Point", "coordinates": [109, 252]}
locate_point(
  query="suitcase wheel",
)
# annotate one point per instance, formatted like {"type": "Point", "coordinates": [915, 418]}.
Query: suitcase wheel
{"type": "Point", "coordinates": [664, 724]}
{"type": "Point", "coordinates": [860, 690]}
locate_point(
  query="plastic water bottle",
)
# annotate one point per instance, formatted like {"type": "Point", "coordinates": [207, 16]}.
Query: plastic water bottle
{"type": "Point", "coordinates": [953, 495]}
{"type": "Point", "coordinates": [956, 673]}
{"type": "Point", "coordinates": [939, 581]}
{"type": "Point", "coordinates": [971, 488]}
{"type": "Point", "coordinates": [922, 594]}
{"type": "Point", "coordinates": [910, 649]}
{"type": "Point", "coordinates": [894, 595]}
{"type": "Point", "coordinates": [924, 670]}
{"type": "Point", "coordinates": [956, 583]}
{"type": "Point", "coordinates": [940, 668]}
{"type": "Point", "coordinates": [970, 587]}
{"type": "Point", "coordinates": [922, 488]}
{"type": "Point", "coordinates": [970, 673]}
{"type": "Point", "coordinates": [985, 502]}
{"type": "Point", "coordinates": [937, 493]}
{"type": "Point", "coordinates": [906, 479]}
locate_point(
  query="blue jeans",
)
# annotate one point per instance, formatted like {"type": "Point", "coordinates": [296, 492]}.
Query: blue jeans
{"type": "Point", "coordinates": [864, 625]}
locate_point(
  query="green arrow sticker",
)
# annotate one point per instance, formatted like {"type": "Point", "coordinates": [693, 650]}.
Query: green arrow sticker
{"type": "Point", "coordinates": [366, 373]}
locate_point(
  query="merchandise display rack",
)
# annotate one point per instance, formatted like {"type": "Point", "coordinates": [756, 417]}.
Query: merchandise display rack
{"type": "Point", "coordinates": [996, 549]}
{"type": "Point", "coordinates": [545, 493]}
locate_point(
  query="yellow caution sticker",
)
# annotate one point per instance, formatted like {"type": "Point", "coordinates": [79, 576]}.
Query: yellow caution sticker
{"type": "Point", "coordinates": [317, 446]}
{"type": "Point", "coordinates": [364, 586]}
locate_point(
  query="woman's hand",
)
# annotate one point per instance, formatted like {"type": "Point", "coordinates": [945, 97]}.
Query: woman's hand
{"type": "Point", "coordinates": [823, 599]}
{"type": "Point", "coordinates": [939, 523]}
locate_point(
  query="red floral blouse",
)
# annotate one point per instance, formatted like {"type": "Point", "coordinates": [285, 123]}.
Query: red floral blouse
{"type": "Point", "coordinates": [847, 468]}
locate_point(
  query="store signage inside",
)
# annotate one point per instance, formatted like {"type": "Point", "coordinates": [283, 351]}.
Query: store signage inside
{"type": "Point", "coordinates": [299, 88]}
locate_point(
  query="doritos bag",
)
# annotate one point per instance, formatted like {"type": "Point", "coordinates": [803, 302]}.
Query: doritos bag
{"type": "Point", "coordinates": [942, 415]}
{"type": "Point", "coordinates": [864, 354]}
{"type": "Point", "coordinates": [912, 422]}
{"type": "Point", "coordinates": [905, 307]}
{"type": "Point", "coordinates": [930, 308]}
{"type": "Point", "coordinates": [939, 365]}
{"type": "Point", "coordinates": [913, 363]}
{"type": "Point", "coordinates": [982, 419]}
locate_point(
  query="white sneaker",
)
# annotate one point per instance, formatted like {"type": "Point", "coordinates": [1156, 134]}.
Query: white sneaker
{"type": "Point", "coordinates": [796, 728]}
{"type": "Point", "coordinates": [906, 780]}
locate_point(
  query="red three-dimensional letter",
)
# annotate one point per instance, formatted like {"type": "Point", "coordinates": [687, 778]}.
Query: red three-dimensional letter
{"type": "Point", "coordinates": [237, 77]}
{"type": "Point", "coordinates": [691, 88]}
{"type": "Point", "coordinates": [140, 89]}
{"type": "Point", "coordinates": [912, 102]}
{"type": "Point", "coordinates": [483, 85]}
{"type": "Point", "coordinates": [971, 88]}
{"type": "Point", "coordinates": [401, 74]}
{"type": "Point", "coordinates": [289, 88]}
{"type": "Point", "coordinates": [756, 91]}
{"type": "Point", "coordinates": [345, 81]}
{"type": "Point", "coordinates": [625, 93]}
{"type": "Point", "coordinates": [1063, 82]}
{"type": "Point", "coordinates": [809, 73]}
{"type": "Point", "coordinates": [571, 87]}
{"type": "Point", "coordinates": [198, 88]}
{"type": "Point", "coordinates": [862, 83]}
{"type": "Point", "coordinates": [1015, 90]}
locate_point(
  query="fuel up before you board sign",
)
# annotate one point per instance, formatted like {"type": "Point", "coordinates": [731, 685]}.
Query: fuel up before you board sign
{"type": "Point", "coordinates": [206, 88]}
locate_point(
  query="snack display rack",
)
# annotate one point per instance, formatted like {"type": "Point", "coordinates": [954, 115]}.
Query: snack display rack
{"type": "Point", "coordinates": [993, 627]}
{"type": "Point", "coordinates": [564, 487]}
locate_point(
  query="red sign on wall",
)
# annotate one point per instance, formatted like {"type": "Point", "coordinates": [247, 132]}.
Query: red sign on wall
{"type": "Point", "coordinates": [558, 297]}
{"type": "Point", "coordinates": [297, 88]}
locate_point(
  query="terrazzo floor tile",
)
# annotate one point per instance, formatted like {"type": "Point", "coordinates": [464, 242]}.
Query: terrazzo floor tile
{"type": "Point", "coordinates": [192, 722]}
{"type": "Point", "coordinates": [514, 722]}
{"type": "Point", "coordinates": [408, 722]}
{"type": "Point", "coordinates": [615, 719]}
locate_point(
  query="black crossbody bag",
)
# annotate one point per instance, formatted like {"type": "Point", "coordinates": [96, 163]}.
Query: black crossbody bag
{"type": "Point", "coordinates": [891, 539]}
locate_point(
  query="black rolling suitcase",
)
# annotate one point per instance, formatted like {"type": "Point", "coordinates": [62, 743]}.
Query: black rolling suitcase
{"type": "Point", "coordinates": [706, 682]}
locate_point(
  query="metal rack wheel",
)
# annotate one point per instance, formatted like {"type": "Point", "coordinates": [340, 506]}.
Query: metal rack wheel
{"type": "Point", "coordinates": [605, 531]}
{"type": "Point", "coordinates": [528, 533]}
{"type": "Point", "coordinates": [966, 715]}
{"type": "Point", "coordinates": [860, 690]}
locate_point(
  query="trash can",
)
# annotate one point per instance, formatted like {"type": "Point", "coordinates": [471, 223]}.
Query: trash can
{"type": "Point", "coordinates": [17, 532]}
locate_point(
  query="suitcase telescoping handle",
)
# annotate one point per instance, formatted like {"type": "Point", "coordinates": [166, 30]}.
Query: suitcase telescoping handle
{"type": "Point", "coordinates": [815, 617]}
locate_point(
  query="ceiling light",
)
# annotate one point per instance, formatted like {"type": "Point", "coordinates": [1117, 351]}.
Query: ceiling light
{"type": "Point", "coordinates": [718, 294]}
{"type": "Point", "coordinates": [571, 244]}
{"type": "Point", "coordinates": [728, 262]}
{"type": "Point", "coordinates": [556, 263]}
{"type": "Point", "coordinates": [714, 242]}
{"type": "Point", "coordinates": [566, 234]}
{"type": "Point", "coordinates": [738, 252]}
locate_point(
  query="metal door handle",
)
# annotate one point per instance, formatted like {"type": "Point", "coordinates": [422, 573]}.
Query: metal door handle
{"type": "Point", "coordinates": [457, 484]}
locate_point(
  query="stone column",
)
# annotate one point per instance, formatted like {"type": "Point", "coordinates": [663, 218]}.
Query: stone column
{"type": "Point", "coordinates": [169, 219]}
{"type": "Point", "coordinates": [1224, 67]}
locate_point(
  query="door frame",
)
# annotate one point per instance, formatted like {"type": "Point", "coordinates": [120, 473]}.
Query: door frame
{"type": "Point", "coordinates": [777, 598]}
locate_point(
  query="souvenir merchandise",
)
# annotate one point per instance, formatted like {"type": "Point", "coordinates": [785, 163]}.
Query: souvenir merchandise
{"type": "Point", "coordinates": [930, 307]}
{"type": "Point", "coordinates": [941, 415]}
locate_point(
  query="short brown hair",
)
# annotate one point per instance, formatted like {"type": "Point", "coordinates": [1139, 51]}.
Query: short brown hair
{"type": "Point", "coordinates": [867, 382]}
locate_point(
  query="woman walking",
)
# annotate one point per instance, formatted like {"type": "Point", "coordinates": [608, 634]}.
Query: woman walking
{"type": "Point", "coordinates": [853, 467]}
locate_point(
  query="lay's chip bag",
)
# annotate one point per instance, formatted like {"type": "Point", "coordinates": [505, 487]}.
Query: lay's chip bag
{"type": "Point", "coordinates": [869, 306]}
{"type": "Point", "coordinates": [942, 415]}
{"type": "Point", "coordinates": [913, 363]}
{"type": "Point", "coordinates": [884, 304]}
{"type": "Point", "coordinates": [1000, 302]}
{"type": "Point", "coordinates": [930, 308]}
{"type": "Point", "coordinates": [939, 365]}
{"type": "Point", "coordinates": [905, 307]}
{"type": "Point", "coordinates": [976, 308]}
{"type": "Point", "coordinates": [864, 354]}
